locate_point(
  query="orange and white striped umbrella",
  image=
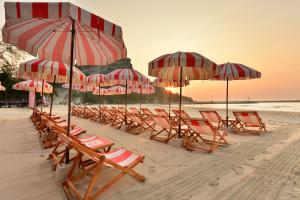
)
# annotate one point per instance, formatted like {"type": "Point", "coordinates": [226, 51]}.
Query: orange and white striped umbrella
{"type": "Point", "coordinates": [142, 89]}
{"type": "Point", "coordinates": [193, 65]}
{"type": "Point", "coordinates": [50, 71]}
{"type": "Point", "coordinates": [34, 86]}
{"type": "Point", "coordinates": [126, 76]}
{"type": "Point", "coordinates": [77, 87]}
{"type": "Point", "coordinates": [96, 80]}
{"type": "Point", "coordinates": [167, 83]}
{"type": "Point", "coordinates": [2, 88]}
{"type": "Point", "coordinates": [44, 30]}
{"type": "Point", "coordinates": [235, 71]}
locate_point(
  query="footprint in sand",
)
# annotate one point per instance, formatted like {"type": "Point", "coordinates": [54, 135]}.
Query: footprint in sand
{"type": "Point", "coordinates": [152, 170]}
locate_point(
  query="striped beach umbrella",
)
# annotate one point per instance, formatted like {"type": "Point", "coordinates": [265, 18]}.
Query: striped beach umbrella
{"type": "Point", "coordinates": [77, 87]}
{"type": "Point", "coordinates": [49, 71]}
{"type": "Point", "coordinates": [142, 89]}
{"type": "Point", "coordinates": [158, 82]}
{"type": "Point", "coordinates": [117, 90]}
{"type": "Point", "coordinates": [33, 86]}
{"type": "Point", "coordinates": [181, 66]}
{"type": "Point", "coordinates": [2, 88]}
{"type": "Point", "coordinates": [127, 77]}
{"type": "Point", "coordinates": [63, 32]}
{"type": "Point", "coordinates": [234, 71]}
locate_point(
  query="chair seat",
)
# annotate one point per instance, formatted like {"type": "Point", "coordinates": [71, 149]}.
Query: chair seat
{"type": "Point", "coordinates": [76, 131]}
{"type": "Point", "coordinates": [122, 157]}
{"type": "Point", "coordinates": [94, 142]}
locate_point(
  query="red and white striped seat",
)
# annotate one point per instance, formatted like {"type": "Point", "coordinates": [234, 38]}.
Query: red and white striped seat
{"type": "Point", "coordinates": [202, 135]}
{"type": "Point", "coordinates": [248, 119]}
{"type": "Point", "coordinates": [95, 142]}
{"type": "Point", "coordinates": [213, 117]}
{"type": "Point", "coordinates": [161, 112]}
{"type": "Point", "coordinates": [122, 157]}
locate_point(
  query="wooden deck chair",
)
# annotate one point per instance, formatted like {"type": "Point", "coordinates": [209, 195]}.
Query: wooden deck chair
{"type": "Point", "coordinates": [214, 118]}
{"type": "Point", "coordinates": [168, 130]}
{"type": "Point", "coordinates": [107, 116]}
{"type": "Point", "coordinates": [184, 115]}
{"type": "Point", "coordinates": [57, 155]}
{"type": "Point", "coordinates": [119, 159]}
{"type": "Point", "coordinates": [137, 124]}
{"type": "Point", "coordinates": [147, 113]}
{"type": "Point", "coordinates": [119, 120]}
{"type": "Point", "coordinates": [162, 112]}
{"type": "Point", "coordinates": [201, 135]}
{"type": "Point", "coordinates": [134, 110]}
{"type": "Point", "coordinates": [88, 113]}
{"type": "Point", "coordinates": [248, 119]}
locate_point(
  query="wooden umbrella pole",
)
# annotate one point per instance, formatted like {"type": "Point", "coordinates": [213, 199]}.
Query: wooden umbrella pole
{"type": "Point", "coordinates": [227, 105]}
{"type": "Point", "coordinates": [67, 158]}
{"type": "Point", "coordinates": [169, 104]}
{"type": "Point", "coordinates": [140, 100]}
{"type": "Point", "coordinates": [99, 100]}
{"type": "Point", "coordinates": [42, 96]}
{"type": "Point", "coordinates": [126, 103]}
{"type": "Point", "coordinates": [51, 105]}
{"type": "Point", "coordinates": [179, 121]}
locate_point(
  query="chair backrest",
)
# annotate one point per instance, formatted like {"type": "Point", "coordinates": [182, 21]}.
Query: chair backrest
{"type": "Point", "coordinates": [62, 134]}
{"type": "Point", "coordinates": [201, 126]}
{"type": "Point", "coordinates": [161, 112]}
{"type": "Point", "coordinates": [135, 118]}
{"type": "Point", "coordinates": [134, 110]}
{"type": "Point", "coordinates": [90, 153]}
{"type": "Point", "coordinates": [147, 112]}
{"type": "Point", "coordinates": [248, 117]}
{"type": "Point", "coordinates": [184, 114]}
{"type": "Point", "coordinates": [162, 122]}
{"type": "Point", "coordinates": [212, 116]}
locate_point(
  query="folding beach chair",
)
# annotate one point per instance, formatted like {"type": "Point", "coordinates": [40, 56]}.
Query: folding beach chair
{"type": "Point", "coordinates": [201, 135]}
{"type": "Point", "coordinates": [137, 124]}
{"type": "Point", "coordinates": [134, 111]}
{"type": "Point", "coordinates": [120, 159]}
{"type": "Point", "coordinates": [214, 118]}
{"type": "Point", "coordinates": [184, 115]}
{"type": "Point", "coordinates": [147, 113]}
{"type": "Point", "coordinates": [249, 119]}
{"type": "Point", "coordinates": [57, 155]}
{"type": "Point", "coordinates": [168, 129]}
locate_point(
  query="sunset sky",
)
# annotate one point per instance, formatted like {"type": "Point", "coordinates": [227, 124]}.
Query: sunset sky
{"type": "Point", "coordinates": [262, 34]}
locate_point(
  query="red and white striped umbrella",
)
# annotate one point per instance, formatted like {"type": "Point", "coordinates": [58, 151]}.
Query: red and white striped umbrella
{"type": "Point", "coordinates": [34, 86]}
{"type": "Point", "coordinates": [2, 88]}
{"type": "Point", "coordinates": [103, 91]}
{"type": "Point", "coordinates": [117, 90]}
{"type": "Point", "coordinates": [126, 77]}
{"type": "Point", "coordinates": [142, 89]}
{"type": "Point", "coordinates": [77, 87]}
{"type": "Point", "coordinates": [193, 65]}
{"type": "Point", "coordinates": [44, 30]}
{"type": "Point", "coordinates": [96, 80]}
{"type": "Point", "coordinates": [50, 71]}
{"type": "Point", "coordinates": [235, 71]}
{"type": "Point", "coordinates": [167, 83]}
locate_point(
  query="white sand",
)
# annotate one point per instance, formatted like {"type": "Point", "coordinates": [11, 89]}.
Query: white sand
{"type": "Point", "coordinates": [252, 167]}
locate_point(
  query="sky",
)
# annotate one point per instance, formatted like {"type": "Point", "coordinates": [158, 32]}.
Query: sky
{"type": "Point", "coordinates": [261, 34]}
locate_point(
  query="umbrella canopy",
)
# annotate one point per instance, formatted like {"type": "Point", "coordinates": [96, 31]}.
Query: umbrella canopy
{"type": "Point", "coordinates": [117, 90]}
{"type": "Point", "coordinates": [77, 87]}
{"type": "Point", "coordinates": [126, 77]}
{"type": "Point", "coordinates": [182, 66]}
{"type": "Point", "coordinates": [34, 86]}
{"type": "Point", "coordinates": [50, 71]}
{"type": "Point", "coordinates": [96, 80]}
{"type": "Point", "coordinates": [234, 71]}
{"type": "Point", "coordinates": [44, 30]}
{"type": "Point", "coordinates": [100, 91]}
{"type": "Point", "coordinates": [158, 82]}
{"type": "Point", "coordinates": [2, 88]}
{"type": "Point", "coordinates": [142, 89]}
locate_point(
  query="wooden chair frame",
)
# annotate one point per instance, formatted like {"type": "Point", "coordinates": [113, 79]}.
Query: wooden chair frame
{"type": "Point", "coordinates": [241, 125]}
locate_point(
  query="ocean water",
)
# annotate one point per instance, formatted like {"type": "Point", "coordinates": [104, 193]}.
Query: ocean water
{"type": "Point", "coordinates": [275, 106]}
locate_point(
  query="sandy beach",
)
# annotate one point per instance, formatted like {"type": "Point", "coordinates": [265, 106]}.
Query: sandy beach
{"type": "Point", "coordinates": [252, 167]}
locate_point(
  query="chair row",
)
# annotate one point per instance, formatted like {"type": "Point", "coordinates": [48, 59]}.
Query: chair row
{"type": "Point", "coordinates": [92, 153]}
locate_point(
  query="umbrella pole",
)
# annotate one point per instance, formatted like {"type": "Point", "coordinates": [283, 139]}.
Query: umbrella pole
{"type": "Point", "coordinates": [99, 102]}
{"type": "Point", "coordinates": [179, 125]}
{"type": "Point", "coordinates": [126, 105]}
{"type": "Point", "coordinates": [42, 96]}
{"type": "Point", "coordinates": [227, 106]}
{"type": "Point", "coordinates": [140, 99]}
{"type": "Point", "coordinates": [70, 86]}
{"type": "Point", "coordinates": [169, 104]}
{"type": "Point", "coordinates": [52, 97]}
